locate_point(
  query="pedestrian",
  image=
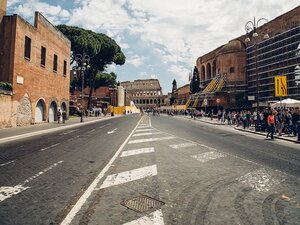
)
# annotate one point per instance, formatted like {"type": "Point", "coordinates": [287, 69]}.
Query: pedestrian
{"type": "Point", "coordinates": [64, 116]}
{"type": "Point", "coordinates": [271, 125]}
{"type": "Point", "coordinates": [58, 116]}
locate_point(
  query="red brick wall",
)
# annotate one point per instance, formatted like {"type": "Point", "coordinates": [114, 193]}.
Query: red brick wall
{"type": "Point", "coordinates": [39, 82]}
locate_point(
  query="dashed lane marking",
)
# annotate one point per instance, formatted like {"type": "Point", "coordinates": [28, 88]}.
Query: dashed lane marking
{"type": "Point", "coordinates": [183, 145]}
{"type": "Point", "coordinates": [137, 151]}
{"type": "Point", "coordinates": [207, 156]}
{"type": "Point", "coordinates": [149, 140]}
{"type": "Point", "coordinates": [144, 134]}
{"type": "Point", "coordinates": [7, 192]}
{"type": "Point", "coordinates": [68, 132]}
{"type": "Point", "coordinates": [4, 164]}
{"type": "Point", "coordinates": [91, 131]}
{"type": "Point", "coordinates": [155, 217]}
{"type": "Point", "coordinates": [128, 176]}
{"type": "Point", "coordinates": [43, 149]}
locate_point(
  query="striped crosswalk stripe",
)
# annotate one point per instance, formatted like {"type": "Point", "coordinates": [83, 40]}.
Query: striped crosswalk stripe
{"type": "Point", "coordinates": [143, 134]}
{"type": "Point", "coordinates": [127, 176]}
{"type": "Point", "coordinates": [143, 130]}
{"type": "Point", "coordinates": [137, 151]}
{"type": "Point", "coordinates": [149, 140]}
{"type": "Point", "coordinates": [154, 218]}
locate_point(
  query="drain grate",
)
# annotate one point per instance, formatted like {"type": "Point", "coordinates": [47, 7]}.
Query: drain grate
{"type": "Point", "coordinates": [142, 203]}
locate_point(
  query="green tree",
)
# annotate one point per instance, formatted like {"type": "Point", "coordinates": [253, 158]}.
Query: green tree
{"type": "Point", "coordinates": [101, 49]}
{"type": "Point", "coordinates": [105, 79]}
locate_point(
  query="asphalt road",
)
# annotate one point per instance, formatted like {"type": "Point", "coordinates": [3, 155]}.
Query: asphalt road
{"type": "Point", "coordinates": [149, 170]}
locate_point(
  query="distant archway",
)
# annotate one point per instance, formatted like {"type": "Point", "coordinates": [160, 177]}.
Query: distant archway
{"type": "Point", "coordinates": [52, 116]}
{"type": "Point", "coordinates": [202, 73]}
{"type": "Point", "coordinates": [40, 110]}
{"type": "Point", "coordinates": [208, 70]}
{"type": "Point", "coordinates": [214, 68]}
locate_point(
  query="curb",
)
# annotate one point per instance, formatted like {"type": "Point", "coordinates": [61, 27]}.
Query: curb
{"type": "Point", "coordinates": [242, 130]}
{"type": "Point", "coordinates": [31, 134]}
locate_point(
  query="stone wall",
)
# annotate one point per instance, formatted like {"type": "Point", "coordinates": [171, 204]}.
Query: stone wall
{"type": "Point", "coordinates": [8, 110]}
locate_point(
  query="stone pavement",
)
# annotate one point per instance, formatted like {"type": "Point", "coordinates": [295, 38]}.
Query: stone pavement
{"type": "Point", "coordinates": [7, 134]}
{"type": "Point", "coordinates": [240, 128]}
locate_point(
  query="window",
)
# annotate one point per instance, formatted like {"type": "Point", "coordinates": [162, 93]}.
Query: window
{"type": "Point", "coordinates": [55, 63]}
{"type": "Point", "coordinates": [43, 56]}
{"type": "Point", "coordinates": [231, 70]}
{"type": "Point", "coordinates": [27, 49]}
{"type": "Point", "coordinates": [65, 67]}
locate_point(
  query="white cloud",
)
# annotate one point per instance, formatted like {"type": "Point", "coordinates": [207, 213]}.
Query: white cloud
{"type": "Point", "coordinates": [135, 60]}
{"type": "Point", "coordinates": [180, 72]}
{"type": "Point", "coordinates": [145, 75]}
{"type": "Point", "coordinates": [175, 32]}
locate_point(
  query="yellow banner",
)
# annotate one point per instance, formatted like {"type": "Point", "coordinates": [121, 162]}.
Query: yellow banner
{"type": "Point", "coordinates": [280, 86]}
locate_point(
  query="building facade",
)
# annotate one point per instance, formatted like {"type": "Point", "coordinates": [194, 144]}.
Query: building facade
{"type": "Point", "coordinates": [145, 94]}
{"type": "Point", "coordinates": [36, 61]}
{"type": "Point", "coordinates": [231, 77]}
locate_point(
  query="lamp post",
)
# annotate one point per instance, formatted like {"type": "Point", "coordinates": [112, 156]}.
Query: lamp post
{"type": "Point", "coordinates": [251, 28]}
{"type": "Point", "coordinates": [82, 65]}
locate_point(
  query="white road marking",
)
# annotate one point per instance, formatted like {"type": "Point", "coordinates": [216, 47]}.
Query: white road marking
{"type": "Point", "coordinates": [207, 156]}
{"type": "Point", "coordinates": [149, 140]}
{"type": "Point", "coordinates": [43, 149]}
{"type": "Point", "coordinates": [112, 131]}
{"type": "Point", "coordinates": [7, 192]}
{"type": "Point", "coordinates": [154, 218]}
{"type": "Point", "coordinates": [127, 176]}
{"type": "Point", "coordinates": [183, 145]}
{"type": "Point", "coordinates": [143, 134]}
{"type": "Point", "coordinates": [91, 131]}
{"type": "Point", "coordinates": [143, 130]}
{"type": "Point", "coordinates": [104, 125]}
{"type": "Point", "coordinates": [68, 132]}
{"type": "Point", "coordinates": [137, 151]}
{"type": "Point", "coordinates": [70, 216]}
{"type": "Point", "coordinates": [260, 180]}
{"type": "Point", "coordinates": [4, 164]}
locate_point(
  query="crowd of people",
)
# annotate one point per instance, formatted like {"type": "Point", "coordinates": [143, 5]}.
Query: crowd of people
{"type": "Point", "coordinates": [271, 121]}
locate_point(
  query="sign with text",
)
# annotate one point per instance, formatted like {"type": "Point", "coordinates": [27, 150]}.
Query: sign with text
{"type": "Point", "coordinates": [280, 86]}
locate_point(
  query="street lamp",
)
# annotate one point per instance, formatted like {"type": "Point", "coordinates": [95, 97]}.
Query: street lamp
{"type": "Point", "coordinates": [251, 27]}
{"type": "Point", "coordinates": [82, 65]}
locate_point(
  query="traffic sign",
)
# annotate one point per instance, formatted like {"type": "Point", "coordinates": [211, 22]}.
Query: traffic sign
{"type": "Point", "coordinates": [205, 102]}
{"type": "Point", "coordinates": [280, 86]}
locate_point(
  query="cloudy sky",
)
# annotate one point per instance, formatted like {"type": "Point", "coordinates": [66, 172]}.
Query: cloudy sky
{"type": "Point", "coordinates": [160, 38]}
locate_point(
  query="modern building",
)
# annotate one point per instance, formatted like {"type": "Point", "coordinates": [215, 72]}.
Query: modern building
{"type": "Point", "coordinates": [145, 94]}
{"type": "Point", "coordinates": [36, 61]}
{"type": "Point", "coordinates": [278, 55]}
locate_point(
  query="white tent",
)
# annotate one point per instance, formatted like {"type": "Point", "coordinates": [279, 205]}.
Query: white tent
{"type": "Point", "coordinates": [286, 103]}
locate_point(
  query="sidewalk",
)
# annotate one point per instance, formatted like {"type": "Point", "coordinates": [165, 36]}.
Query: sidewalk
{"type": "Point", "coordinates": [240, 128]}
{"type": "Point", "coordinates": [7, 134]}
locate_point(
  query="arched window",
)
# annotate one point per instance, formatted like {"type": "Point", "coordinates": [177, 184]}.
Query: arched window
{"type": "Point", "coordinates": [208, 69]}
{"type": "Point", "coordinates": [203, 73]}
{"type": "Point", "coordinates": [214, 69]}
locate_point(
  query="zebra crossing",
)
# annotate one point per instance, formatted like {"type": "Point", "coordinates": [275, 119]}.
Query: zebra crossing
{"type": "Point", "coordinates": [142, 145]}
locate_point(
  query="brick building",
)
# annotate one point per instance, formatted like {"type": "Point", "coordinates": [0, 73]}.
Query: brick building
{"type": "Point", "coordinates": [144, 93]}
{"type": "Point", "coordinates": [36, 61]}
{"type": "Point", "coordinates": [228, 73]}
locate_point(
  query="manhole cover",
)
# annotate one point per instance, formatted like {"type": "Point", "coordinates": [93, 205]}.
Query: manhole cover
{"type": "Point", "coordinates": [142, 203]}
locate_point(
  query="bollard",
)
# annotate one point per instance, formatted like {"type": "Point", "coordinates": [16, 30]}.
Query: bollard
{"type": "Point", "coordinates": [298, 130]}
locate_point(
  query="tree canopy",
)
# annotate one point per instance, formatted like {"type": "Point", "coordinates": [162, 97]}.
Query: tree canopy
{"type": "Point", "coordinates": [101, 49]}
